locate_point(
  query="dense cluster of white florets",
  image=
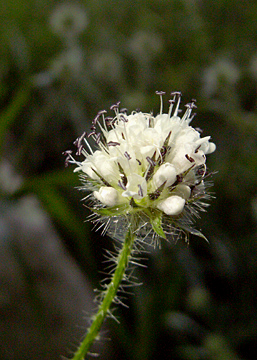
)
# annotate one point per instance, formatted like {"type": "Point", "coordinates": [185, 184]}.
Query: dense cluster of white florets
{"type": "Point", "coordinates": [153, 166]}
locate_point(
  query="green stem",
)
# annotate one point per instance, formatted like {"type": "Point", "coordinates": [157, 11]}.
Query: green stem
{"type": "Point", "coordinates": [109, 294]}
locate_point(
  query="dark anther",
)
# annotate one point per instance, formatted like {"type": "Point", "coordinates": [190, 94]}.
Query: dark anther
{"type": "Point", "coordinates": [124, 110]}
{"type": "Point", "coordinates": [66, 162]}
{"type": "Point", "coordinates": [165, 148]}
{"type": "Point", "coordinates": [171, 101]}
{"type": "Point", "coordinates": [163, 151]}
{"type": "Point", "coordinates": [193, 106]}
{"type": "Point", "coordinates": [127, 156]}
{"type": "Point", "coordinates": [196, 150]}
{"type": "Point", "coordinates": [67, 152]}
{"type": "Point", "coordinates": [90, 134]}
{"type": "Point", "coordinates": [157, 192]}
{"type": "Point", "coordinates": [140, 191]}
{"type": "Point", "coordinates": [97, 138]}
{"type": "Point", "coordinates": [101, 112]}
{"type": "Point", "coordinates": [149, 172]}
{"type": "Point", "coordinates": [176, 93]}
{"type": "Point", "coordinates": [115, 106]}
{"type": "Point", "coordinates": [160, 92]}
{"type": "Point", "coordinates": [122, 118]}
{"type": "Point", "coordinates": [124, 179]}
{"type": "Point", "coordinates": [154, 195]}
{"type": "Point", "coordinates": [189, 158]}
{"type": "Point", "coordinates": [93, 127]}
{"type": "Point", "coordinates": [78, 141]}
{"type": "Point", "coordinates": [79, 151]}
{"type": "Point", "coordinates": [108, 120]}
{"type": "Point", "coordinates": [120, 183]}
{"type": "Point", "coordinates": [113, 143]}
{"type": "Point", "coordinates": [201, 171]}
{"type": "Point", "coordinates": [179, 178]}
{"type": "Point", "coordinates": [95, 119]}
{"type": "Point", "coordinates": [151, 162]}
{"type": "Point", "coordinates": [139, 162]}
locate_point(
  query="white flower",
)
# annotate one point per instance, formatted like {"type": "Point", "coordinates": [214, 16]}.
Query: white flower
{"type": "Point", "coordinates": [68, 20]}
{"type": "Point", "coordinates": [107, 195]}
{"type": "Point", "coordinates": [173, 205]}
{"type": "Point", "coordinates": [146, 165]}
{"type": "Point", "coordinates": [136, 187]}
{"type": "Point", "coordinates": [166, 174]}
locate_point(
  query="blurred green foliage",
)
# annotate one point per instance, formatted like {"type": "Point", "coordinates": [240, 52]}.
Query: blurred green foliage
{"type": "Point", "coordinates": [61, 62]}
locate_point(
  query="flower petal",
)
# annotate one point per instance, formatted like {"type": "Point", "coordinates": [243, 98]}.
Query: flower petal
{"type": "Point", "coordinates": [173, 205]}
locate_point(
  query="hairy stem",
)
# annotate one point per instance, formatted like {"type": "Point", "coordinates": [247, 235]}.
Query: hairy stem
{"type": "Point", "coordinates": [108, 295]}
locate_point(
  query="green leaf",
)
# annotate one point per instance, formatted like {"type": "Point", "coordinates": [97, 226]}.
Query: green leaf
{"type": "Point", "coordinates": [112, 211]}
{"type": "Point", "coordinates": [193, 232]}
{"type": "Point", "coordinates": [156, 222]}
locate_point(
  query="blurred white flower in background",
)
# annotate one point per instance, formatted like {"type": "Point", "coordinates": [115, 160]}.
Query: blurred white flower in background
{"type": "Point", "coordinates": [68, 20]}
{"type": "Point", "coordinates": [145, 45]}
{"type": "Point", "coordinates": [222, 71]}
{"type": "Point", "coordinates": [107, 65]}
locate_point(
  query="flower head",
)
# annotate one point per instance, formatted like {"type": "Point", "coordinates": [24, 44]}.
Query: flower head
{"type": "Point", "coordinates": [68, 20]}
{"type": "Point", "coordinates": [152, 167]}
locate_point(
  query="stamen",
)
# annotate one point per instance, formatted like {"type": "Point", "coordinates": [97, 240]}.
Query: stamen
{"type": "Point", "coordinates": [149, 172]}
{"type": "Point", "coordinates": [89, 147]}
{"type": "Point", "coordinates": [95, 119]}
{"type": "Point", "coordinates": [127, 156]}
{"type": "Point", "coordinates": [187, 114]}
{"type": "Point", "coordinates": [177, 94]}
{"type": "Point", "coordinates": [189, 158]}
{"type": "Point", "coordinates": [198, 129]}
{"type": "Point", "coordinates": [78, 141]}
{"type": "Point", "coordinates": [108, 120]}
{"type": "Point", "coordinates": [179, 179]}
{"type": "Point", "coordinates": [123, 118]}
{"type": "Point", "coordinates": [140, 190]}
{"type": "Point", "coordinates": [101, 112]}
{"type": "Point", "coordinates": [151, 162]}
{"type": "Point", "coordinates": [115, 106]}
{"type": "Point", "coordinates": [66, 161]}
{"type": "Point", "coordinates": [120, 183]}
{"type": "Point", "coordinates": [91, 134]}
{"type": "Point", "coordinates": [196, 150]}
{"type": "Point", "coordinates": [97, 138]}
{"type": "Point", "coordinates": [171, 107]}
{"type": "Point", "coordinates": [113, 143]}
{"type": "Point", "coordinates": [79, 150]}
{"type": "Point", "coordinates": [160, 93]}
{"type": "Point", "coordinates": [67, 152]}
{"type": "Point", "coordinates": [69, 158]}
{"type": "Point", "coordinates": [122, 175]}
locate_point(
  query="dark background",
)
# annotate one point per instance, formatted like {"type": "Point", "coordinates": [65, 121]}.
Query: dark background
{"type": "Point", "coordinates": [60, 63]}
